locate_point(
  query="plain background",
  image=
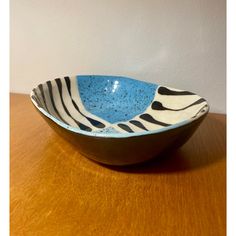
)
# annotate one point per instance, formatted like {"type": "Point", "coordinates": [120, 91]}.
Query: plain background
{"type": "Point", "coordinates": [177, 43]}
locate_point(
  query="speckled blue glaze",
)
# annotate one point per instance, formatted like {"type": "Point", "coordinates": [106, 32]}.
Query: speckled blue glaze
{"type": "Point", "coordinates": [115, 98]}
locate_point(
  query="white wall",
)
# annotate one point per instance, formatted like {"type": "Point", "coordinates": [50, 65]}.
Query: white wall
{"type": "Point", "coordinates": [179, 43]}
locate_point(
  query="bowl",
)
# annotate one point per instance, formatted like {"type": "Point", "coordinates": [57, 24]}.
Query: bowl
{"type": "Point", "coordinates": [117, 120]}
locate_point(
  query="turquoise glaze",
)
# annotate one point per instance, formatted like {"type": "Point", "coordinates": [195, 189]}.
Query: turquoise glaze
{"type": "Point", "coordinates": [115, 98]}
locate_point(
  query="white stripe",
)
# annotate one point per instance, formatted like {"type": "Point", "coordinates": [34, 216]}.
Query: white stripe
{"type": "Point", "coordinates": [117, 128]}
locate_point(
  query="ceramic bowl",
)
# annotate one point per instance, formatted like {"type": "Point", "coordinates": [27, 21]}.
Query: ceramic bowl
{"type": "Point", "coordinates": [118, 120]}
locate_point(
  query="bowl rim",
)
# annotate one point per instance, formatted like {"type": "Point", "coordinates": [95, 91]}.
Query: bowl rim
{"type": "Point", "coordinates": [116, 135]}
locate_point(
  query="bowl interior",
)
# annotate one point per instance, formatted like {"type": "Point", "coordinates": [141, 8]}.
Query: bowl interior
{"type": "Point", "coordinates": [115, 99]}
{"type": "Point", "coordinates": [114, 104]}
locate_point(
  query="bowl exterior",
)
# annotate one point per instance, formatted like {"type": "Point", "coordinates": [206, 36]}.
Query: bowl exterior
{"type": "Point", "coordinates": [127, 150]}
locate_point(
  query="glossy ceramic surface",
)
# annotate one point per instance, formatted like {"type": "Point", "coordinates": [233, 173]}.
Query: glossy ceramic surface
{"type": "Point", "coordinates": [118, 120]}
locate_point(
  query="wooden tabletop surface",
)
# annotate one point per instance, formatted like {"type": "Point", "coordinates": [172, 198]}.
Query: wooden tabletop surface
{"type": "Point", "coordinates": [57, 191]}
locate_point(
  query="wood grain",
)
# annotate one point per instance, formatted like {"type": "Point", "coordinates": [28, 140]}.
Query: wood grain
{"type": "Point", "coordinates": [56, 191]}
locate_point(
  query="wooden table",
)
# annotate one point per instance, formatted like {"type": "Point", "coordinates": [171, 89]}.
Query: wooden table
{"type": "Point", "coordinates": [57, 191]}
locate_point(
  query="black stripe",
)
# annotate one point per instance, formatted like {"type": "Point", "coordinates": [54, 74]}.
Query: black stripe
{"type": "Point", "coordinates": [200, 110]}
{"type": "Point", "coordinates": [150, 119]}
{"type": "Point", "coordinates": [36, 98]}
{"type": "Point", "coordinates": [42, 104]}
{"type": "Point", "coordinates": [43, 96]}
{"type": "Point", "coordinates": [126, 128]}
{"type": "Point", "coordinates": [67, 79]}
{"type": "Point", "coordinates": [158, 105]}
{"type": "Point", "coordinates": [80, 125]}
{"type": "Point", "coordinates": [52, 100]}
{"type": "Point", "coordinates": [95, 123]}
{"type": "Point", "coordinates": [166, 91]}
{"type": "Point", "coordinates": [138, 124]}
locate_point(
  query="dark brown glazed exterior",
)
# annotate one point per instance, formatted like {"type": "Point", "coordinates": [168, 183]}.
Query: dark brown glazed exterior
{"type": "Point", "coordinates": [127, 150]}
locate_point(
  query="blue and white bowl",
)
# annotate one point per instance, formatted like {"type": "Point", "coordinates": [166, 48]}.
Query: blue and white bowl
{"type": "Point", "coordinates": [118, 120]}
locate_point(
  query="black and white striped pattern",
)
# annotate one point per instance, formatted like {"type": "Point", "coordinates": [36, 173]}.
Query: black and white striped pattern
{"type": "Point", "coordinates": [170, 106]}
{"type": "Point", "coordinates": [60, 98]}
